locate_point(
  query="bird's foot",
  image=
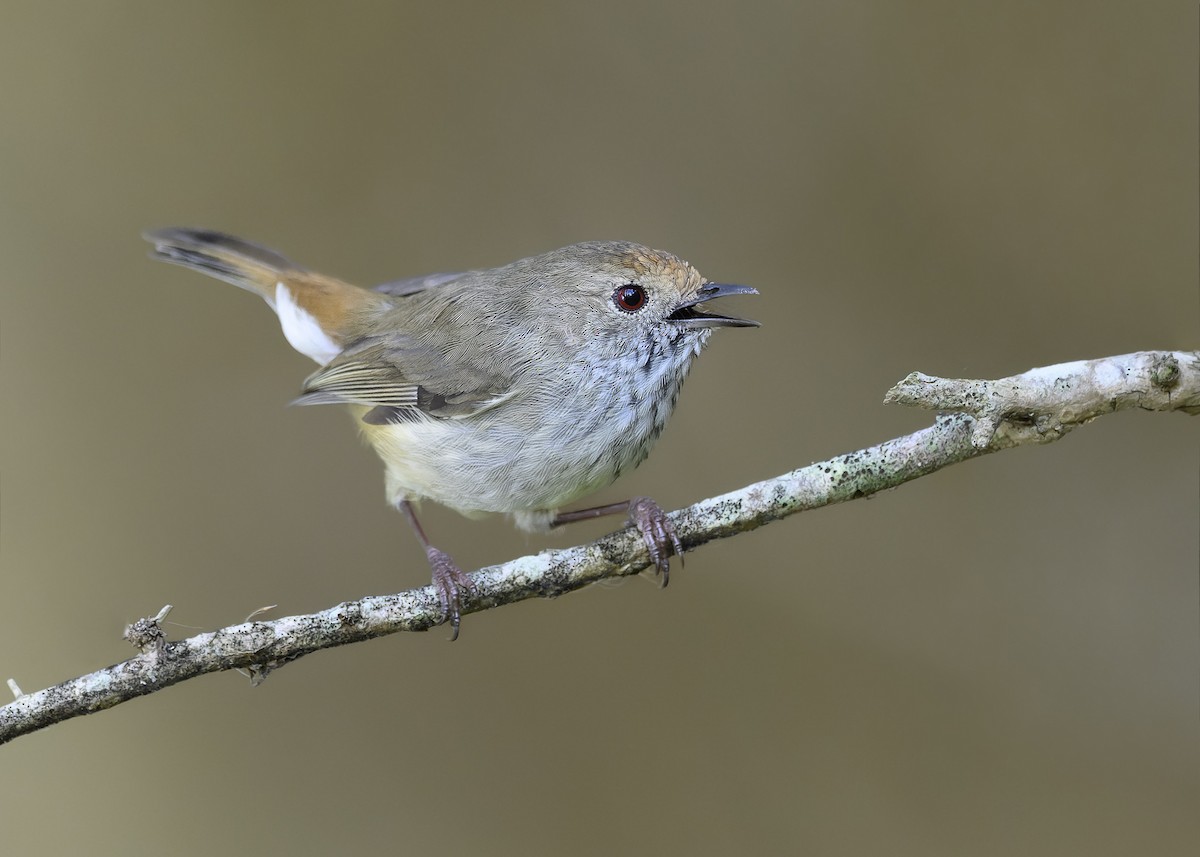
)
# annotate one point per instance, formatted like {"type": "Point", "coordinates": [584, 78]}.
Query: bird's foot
{"type": "Point", "coordinates": [658, 533]}
{"type": "Point", "coordinates": [452, 584]}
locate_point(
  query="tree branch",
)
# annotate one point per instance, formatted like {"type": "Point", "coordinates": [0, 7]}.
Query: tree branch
{"type": "Point", "coordinates": [1038, 406]}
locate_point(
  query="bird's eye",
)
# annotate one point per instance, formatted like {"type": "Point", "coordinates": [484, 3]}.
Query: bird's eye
{"type": "Point", "coordinates": [630, 298]}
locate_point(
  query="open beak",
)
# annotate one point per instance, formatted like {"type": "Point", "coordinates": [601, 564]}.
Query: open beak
{"type": "Point", "coordinates": [689, 314]}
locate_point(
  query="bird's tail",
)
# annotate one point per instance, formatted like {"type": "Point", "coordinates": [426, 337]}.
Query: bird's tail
{"type": "Point", "coordinates": [319, 314]}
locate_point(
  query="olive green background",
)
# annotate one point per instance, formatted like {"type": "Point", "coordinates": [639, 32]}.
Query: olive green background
{"type": "Point", "coordinates": [998, 659]}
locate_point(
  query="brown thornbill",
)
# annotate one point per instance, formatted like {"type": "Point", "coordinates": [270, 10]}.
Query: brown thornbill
{"type": "Point", "coordinates": [517, 389]}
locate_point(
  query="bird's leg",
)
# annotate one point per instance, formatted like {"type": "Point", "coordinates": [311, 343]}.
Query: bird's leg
{"type": "Point", "coordinates": [651, 521]}
{"type": "Point", "coordinates": [449, 580]}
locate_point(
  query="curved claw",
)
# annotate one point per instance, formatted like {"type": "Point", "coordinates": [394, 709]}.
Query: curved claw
{"type": "Point", "coordinates": [658, 533]}
{"type": "Point", "coordinates": [452, 583]}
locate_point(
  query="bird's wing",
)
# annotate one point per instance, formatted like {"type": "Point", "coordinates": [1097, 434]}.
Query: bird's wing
{"type": "Point", "coordinates": [402, 379]}
{"type": "Point", "coordinates": [412, 285]}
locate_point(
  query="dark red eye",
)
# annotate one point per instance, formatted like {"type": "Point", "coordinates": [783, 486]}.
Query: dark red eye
{"type": "Point", "coordinates": [630, 298]}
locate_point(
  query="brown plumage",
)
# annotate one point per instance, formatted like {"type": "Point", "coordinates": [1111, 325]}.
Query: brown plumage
{"type": "Point", "coordinates": [514, 390]}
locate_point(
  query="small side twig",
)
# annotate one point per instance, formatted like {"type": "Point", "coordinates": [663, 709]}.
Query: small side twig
{"type": "Point", "coordinates": [1043, 404]}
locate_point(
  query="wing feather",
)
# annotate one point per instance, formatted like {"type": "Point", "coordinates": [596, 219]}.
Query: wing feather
{"type": "Point", "coordinates": [405, 379]}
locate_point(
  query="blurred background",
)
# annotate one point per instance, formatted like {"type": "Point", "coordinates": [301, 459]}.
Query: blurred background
{"type": "Point", "coordinates": [1000, 658]}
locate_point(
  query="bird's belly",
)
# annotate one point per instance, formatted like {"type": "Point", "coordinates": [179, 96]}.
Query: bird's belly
{"type": "Point", "coordinates": [486, 463]}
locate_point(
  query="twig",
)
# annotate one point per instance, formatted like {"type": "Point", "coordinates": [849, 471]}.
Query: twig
{"type": "Point", "coordinates": [1038, 406]}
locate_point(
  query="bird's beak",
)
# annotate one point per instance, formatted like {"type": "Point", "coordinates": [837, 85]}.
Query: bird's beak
{"type": "Point", "coordinates": [687, 314]}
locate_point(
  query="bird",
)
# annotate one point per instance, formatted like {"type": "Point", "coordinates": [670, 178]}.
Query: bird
{"type": "Point", "coordinates": [513, 390]}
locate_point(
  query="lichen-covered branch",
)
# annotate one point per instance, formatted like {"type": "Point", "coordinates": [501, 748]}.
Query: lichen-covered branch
{"type": "Point", "coordinates": [1038, 406]}
{"type": "Point", "coordinates": [1043, 404]}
